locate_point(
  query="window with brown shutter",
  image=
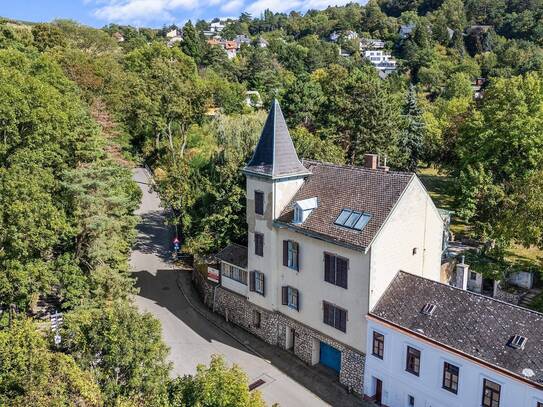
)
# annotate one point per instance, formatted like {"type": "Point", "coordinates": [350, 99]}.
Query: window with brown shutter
{"type": "Point", "coordinates": [328, 267]}
{"type": "Point", "coordinates": [342, 315]}
{"type": "Point", "coordinates": [291, 254]}
{"type": "Point", "coordinates": [284, 295]}
{"type": "Point", "coordinates": [259, 244]}
{"type": "Point", "coordinates": [334, 316]}
{"type": "Point", "coordinates": [341, 271]}
{"type": "Point", "coordinates": [252, 278]}
{"type": "Point", "coordinates": [259, 282]}
{"type": "Point", "coordinates": [328, 313]}
{"type": "Point", "coordinates": [336, 270]}
{"type": "Point", "coordinates": [259, 203]}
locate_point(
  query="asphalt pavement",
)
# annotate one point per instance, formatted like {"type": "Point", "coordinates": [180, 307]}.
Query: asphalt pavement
{"type": "Point", "coordinates": [193, 333]}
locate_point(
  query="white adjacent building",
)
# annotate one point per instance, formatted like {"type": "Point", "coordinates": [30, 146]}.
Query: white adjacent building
{"type": "Point", "coordinates": [382, 60]}
{"type": "Point", "coordinates": [325, 241]}
{"type": "Point", "coordinates": [433, 345]}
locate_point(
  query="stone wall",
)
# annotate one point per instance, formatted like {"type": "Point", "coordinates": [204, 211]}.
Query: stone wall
{"type": "Point", "coordinates": [306, 347]}
{"type": "Point", "coordinates": [512, 297]}
{"type": "Point", "coordinates": [273, 330]}
{"type": "Point", "coordinates": [204, 287]}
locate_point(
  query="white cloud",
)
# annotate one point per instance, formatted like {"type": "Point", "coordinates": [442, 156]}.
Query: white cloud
{"type": "Point", "coordinates": [278, 6]}
{"type": "Point", "coordinates": [231, 6]}
{"type": "Point", "coordinates": [130, 11]}
{"type": "Point", "coordinates": [165, 11]}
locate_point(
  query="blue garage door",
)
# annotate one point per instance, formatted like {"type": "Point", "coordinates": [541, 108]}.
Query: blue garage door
{"type": "Point", "coordinates": [330, 357]}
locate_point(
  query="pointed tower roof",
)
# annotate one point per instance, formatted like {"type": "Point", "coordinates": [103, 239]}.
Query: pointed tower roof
{"type": "Point", "coordinates": [275, 155]}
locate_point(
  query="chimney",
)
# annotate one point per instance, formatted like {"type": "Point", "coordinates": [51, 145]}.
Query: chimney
{"type": "Point", "coordinates": [370, 161]}
{"type": "Point", "coordinates": [462, 271]}
{"type": "Point", "coordinates": [383, 167]}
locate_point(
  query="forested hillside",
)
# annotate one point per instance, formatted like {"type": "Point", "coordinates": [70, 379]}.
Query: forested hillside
{"type": "Point", "coordinates": [78, 108]}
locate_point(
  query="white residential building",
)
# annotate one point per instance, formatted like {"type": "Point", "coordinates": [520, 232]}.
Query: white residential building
{"type": "Point", "coordinates": [325, 241]}
{"type": "Point", "coordinates": [173, 33]}
{"type": "Point", "coordinates": [371, 43]}
{"type": "Point", "coordinates": [348, 35]}
{"type": "Point", "coordinates": [433, 345]}
{"type": "Point", "coordinates": [382, 60]}
{"type": "Point", "coordinates": [216, 27]}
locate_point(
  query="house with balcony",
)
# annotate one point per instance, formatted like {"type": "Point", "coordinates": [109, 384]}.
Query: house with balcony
{"type": "Point", "coordinates": [324, 243]}
{"type": "Point", "coordinates": [430, 344]}
{"type": "Point", "coordinates": [381, 60]}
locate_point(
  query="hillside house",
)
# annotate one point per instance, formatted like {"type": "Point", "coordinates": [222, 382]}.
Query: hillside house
{"type": "Point", "coordinates": [371, 44]}
{"type": "Point", "coordinates": [406, 30]}
{"type": "Point", "coordinates": [347, 35]}
{"type": "Point", "coordinates": [242, 40]}
{"type": "Point", "coordinates": [325, 241]}
{"type": "Point", "coordinates": [381, 60]}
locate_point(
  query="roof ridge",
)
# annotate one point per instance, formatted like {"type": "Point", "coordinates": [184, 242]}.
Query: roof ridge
{"type": "Point", "coordinates": [354, 167]}
{"type": "Point", "coordinates": [466, 291]}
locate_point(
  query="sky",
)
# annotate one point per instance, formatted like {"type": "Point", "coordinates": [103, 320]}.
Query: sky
{"type": "Point", "coordinates": [148, 13]}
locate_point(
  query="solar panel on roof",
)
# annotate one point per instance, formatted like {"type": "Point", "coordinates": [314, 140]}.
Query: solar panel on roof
{"type": "Point", "coordinates": [352, 219]}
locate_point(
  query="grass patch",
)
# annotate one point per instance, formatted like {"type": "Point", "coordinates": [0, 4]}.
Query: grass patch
{"type": "Point", "coordinates": [537, 303]}
{"type": "Point", "coordinates": [440, 188]}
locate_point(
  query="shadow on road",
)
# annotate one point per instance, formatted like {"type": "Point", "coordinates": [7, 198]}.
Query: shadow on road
{"type": "Point", "coordinates": [162, 289]}
{"type": "Point", "coordinates": [154, 237]}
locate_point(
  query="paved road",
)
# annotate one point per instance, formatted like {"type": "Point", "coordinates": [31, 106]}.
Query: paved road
{"type": "Point", "coordinates": [192, 338]}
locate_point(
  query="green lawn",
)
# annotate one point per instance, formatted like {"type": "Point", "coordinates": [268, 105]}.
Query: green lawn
{"type": "Point", "coordinates": [537, 303]}
{"type": "Point", "coordinates": [439, 188]}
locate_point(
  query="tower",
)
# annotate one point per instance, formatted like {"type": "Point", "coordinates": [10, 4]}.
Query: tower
{"type": "Point", "coordinates": [274, 174]}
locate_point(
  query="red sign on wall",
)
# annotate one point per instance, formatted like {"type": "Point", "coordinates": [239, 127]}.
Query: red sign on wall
{"type": "Point", "coordinates": [213, 274]}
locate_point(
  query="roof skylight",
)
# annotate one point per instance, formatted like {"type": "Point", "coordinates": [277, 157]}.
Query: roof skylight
{"type": "Point", "coordinates": [518, 342]}
{"type": "Point", "coordinates": [353, 219]}
{"type": "Point", "coordinates": [428, 309]}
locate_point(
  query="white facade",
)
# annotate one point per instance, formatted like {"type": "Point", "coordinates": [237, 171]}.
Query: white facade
{"type": "Point", "coordinates": [277, 194]}
{"type": "Point", "coordinates": [216, 27]}
{"type": "Point", "coordinates": [381, 60]}
{"type": "Point", "coordinates": [409, 240]}
{"type": "Point", "coordinates": [371, 43]}
{"type": "Point", "coordinates": [427, 388]}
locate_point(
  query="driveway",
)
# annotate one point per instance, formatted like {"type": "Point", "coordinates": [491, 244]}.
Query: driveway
{"type": "Point", "coordinates": [191, 336]}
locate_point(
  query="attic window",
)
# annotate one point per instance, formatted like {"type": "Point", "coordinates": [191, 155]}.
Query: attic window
{"type": "Point", "coordinates": [428, 309]}
{"type": "Point", "coordinates": [352, 219]}
{"type": "Point", "coordinates": [518, 342]}
{"type": "Point", "coordinates": [303, 208]}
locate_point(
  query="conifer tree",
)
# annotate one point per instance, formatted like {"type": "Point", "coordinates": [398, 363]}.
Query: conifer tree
{"type": "Point", "coordinates": [412, 138]}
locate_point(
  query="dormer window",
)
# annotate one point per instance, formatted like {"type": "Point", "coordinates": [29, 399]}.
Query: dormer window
{"type": "Point", "coordinates": [303, 208]}
{"type": "Point", "coordinates": [298, 215]}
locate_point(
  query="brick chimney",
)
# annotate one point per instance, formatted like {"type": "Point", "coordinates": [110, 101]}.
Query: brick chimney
{"type": "Point", "coordinates": [371, 161]}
